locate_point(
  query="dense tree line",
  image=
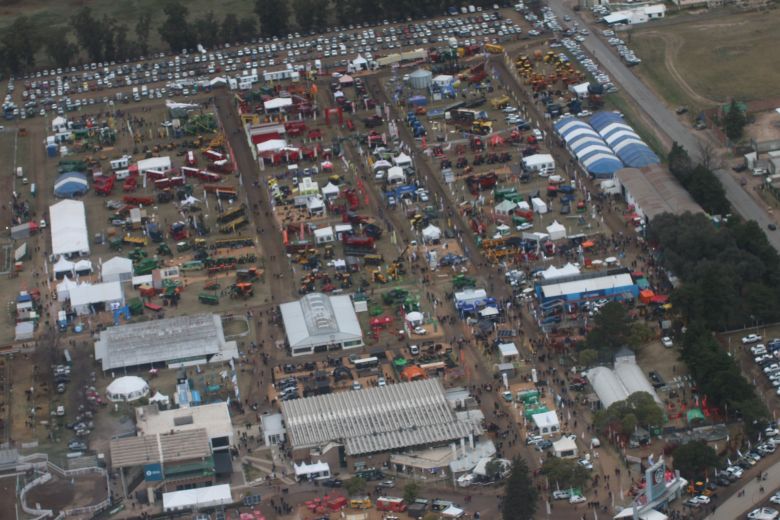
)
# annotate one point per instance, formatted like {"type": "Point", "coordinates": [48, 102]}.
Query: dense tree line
{"type": "Point", "coordinates": [89, 36]}
{"type": "Point", "coordinates": [700, 181]}
{"type": "Point", "coordinates": [612, 329]}
{"type": "Point", "coordinates": [639, 409]}
{"type": "Point", "coordinates": [731, 279]}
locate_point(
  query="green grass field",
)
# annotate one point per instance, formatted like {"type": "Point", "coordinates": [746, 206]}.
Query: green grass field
{"type": "Point", "coordinates": [716, 58]}
{"type": "Point", "coordinates": [57, 13]}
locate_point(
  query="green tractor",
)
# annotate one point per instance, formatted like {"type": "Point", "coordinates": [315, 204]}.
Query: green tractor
{"type": "Point", "coordinates": [208, 298]}
{"type": "Point", "coordinates": [164, 249]}
{"type": "Point", "coordinates": [137, 254]}
{"type": "Point", "coordinates": [145, 266]}
{"type": "Point", "coordinates": [395, 297]}
{"type": "Point", "coordinates": [462, 281]}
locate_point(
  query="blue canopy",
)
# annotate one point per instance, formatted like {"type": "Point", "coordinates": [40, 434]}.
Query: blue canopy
{"type": "Point", "coordinates": [69, 185]}
{"type": "Point", "coordinates": [626, 143]}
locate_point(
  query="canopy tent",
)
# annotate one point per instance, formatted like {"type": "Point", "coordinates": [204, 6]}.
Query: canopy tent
{"type": "Point", "coordinates": [69, 235]}
{"type": "Point", "coordinates": [277, 103]}
{"type": "Point", "coordinates": [314, 470]}
{"type": "Point", "coordinates": [488, 312]}
{"type": "Point", "coordinates": [415, 318]}
{"type": "Point", "coordinates": [24, 330]}
{"type": "Point", "coordinates": [117, 269]}
{"type": "Point", "coordinates": [443, 80]}
{"type": "Point", "coordinates": [553, 272]}
{"type": "Point", "coordinates": [695, 414]}
{"type": "Point", "coordinates": [396, 174]}
{"type": "Point", "coordinates": [272, 145]}
{"type": "Point", "coordinates": [160, 399]}
{"type": "Point", "coordinates": [556, 231]}
{"type": "Point", "coordinates": [346, 80]}
{"type": "Point", "coordinates": [64, 287]}
{"type": "Point", "coordinates": [329, 190]}
{"type": "Point", "coordinates": [547, 422]}
{"type": "Point", "coordinates": [402, 160]}
{"type": "Point", "coordinates": [69, 185]}
{"type": "Point", "coordinates": [496, 140]}
{"type": "Point", "coordinates": [505, 207]}
{"type": "Point", "coordinates": [431, 233]}
{"type": "Point", "coordinates": [508, 351]}
{"type": "Point", "coordinates": [197, 498]}
{"type": "Point", "coordinates": [360, 63]}
{"type": "Point", "coordinates": [83, 267]}
{"type": "Point", "coordinates": [63, 265]}
{"type": "Point", "coordinates": [382, 165]}
{"type": "Point", "coordinates": [127, 389]}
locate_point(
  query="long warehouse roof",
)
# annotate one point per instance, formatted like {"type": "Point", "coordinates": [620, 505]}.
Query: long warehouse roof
{"type": "Point", "coordinates": [377, 419]}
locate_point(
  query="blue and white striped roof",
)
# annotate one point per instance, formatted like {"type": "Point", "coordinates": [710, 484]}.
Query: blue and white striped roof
{"type": "Point", "coordinates": [588, 147]}
{"type": "Point", "coordinates": [626, 143]}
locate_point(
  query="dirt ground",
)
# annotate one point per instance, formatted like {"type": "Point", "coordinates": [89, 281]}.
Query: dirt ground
{"type": "Point", "coordinates": [698, 62]}
{"type": "Point", "coordinates": [60, 493]}
{"type": "Point", "coordinates": [766, 126]}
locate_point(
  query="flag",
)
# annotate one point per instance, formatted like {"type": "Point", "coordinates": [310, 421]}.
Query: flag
{"type": "Point", "coordinates": [739, 453]}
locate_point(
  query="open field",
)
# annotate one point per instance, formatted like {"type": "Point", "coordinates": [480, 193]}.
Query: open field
{"type": "Point", "coordinates": [702, 63]}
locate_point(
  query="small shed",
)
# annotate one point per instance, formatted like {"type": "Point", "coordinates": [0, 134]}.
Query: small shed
{"type": "Point", "coordinates": [539, 206]}
{"type": "Point", "coordinates": [508, 352]}
{"type": "Point", "coordinates": [324, 235]}
{"type": "Point", "coordinates": [24, 330]}
{"type": "Point", "coordinates": [117, 269]}
{"type": "Point", "coordinates": [443, 80]}
{"type": "Point", "coordinates": [556, 231]}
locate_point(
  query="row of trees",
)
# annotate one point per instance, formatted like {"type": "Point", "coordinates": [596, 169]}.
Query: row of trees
{"type": "Point", "coordinates": [699, 180]}
{"type": "Point", "coordinates": [612, 329]}
{"type": "Point", "coordinates": [731, 279]}
{"type": "Point", "coordinates": [639, 409]}
{"type": "Point", "coordinates": [108, 39]}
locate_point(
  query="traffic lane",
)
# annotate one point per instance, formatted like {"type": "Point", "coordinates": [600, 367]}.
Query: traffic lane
{"type": "Point", "coordinates": [756, 491]}
{"type": "Point", "coordinates": [668, 123]}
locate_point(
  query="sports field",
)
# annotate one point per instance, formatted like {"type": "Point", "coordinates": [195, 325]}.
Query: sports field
{"type": "Point", "coordinates": [700, 63]}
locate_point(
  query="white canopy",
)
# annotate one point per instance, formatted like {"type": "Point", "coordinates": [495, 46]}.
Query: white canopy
{"type": "Point", "coordinates": [382, 165]}
{"type": "Point", "coordinates": [24, 330]}
{"type": "Point", "coordinates": [443, 80]}
{"type": "Point", "coordinates": [329, 189]}
{"type": "Point", "coordinates": [277, 103]}
{"type": "Point", "coordinates": [556, 272]}
{"type": "Point", "coordinates": [431, 233]}
{"type": "Point", "coordinates": [318, 468]}
{"type": "Point", "coordinates": [83, 265]}
{"type": "Point", "coordinates": [504, 207]}
{"type": "Point", "coordinates": [64, 265]}
{"type": "Point", "coordinates": [272, 145]}
{"type": "Point", "coordinates": [197, 498]}
{"type": "Point", "coordinates": [323, 232]}
{"type": "Point", "coordinates": [127, 388]}
{"type": "Point", "coordinates": [395, 173]}
{"type": "Point", "coordinates": [117, 268]}
{"type": "Point", "coordinates": [402, 160]}
{"type": "Point", "coordinates": [508, 350]}
{"type": "Point", "coordinates": [488, 311]}
{"type": "Point", "coordinates": [68, 228]}
{"type": "Point", "coordinates": [63, 289]}
{"type": "Point", "coordinates": [415, 317]}
{"type": "Point", "coordinates": [160, 398]}
{"type": "Point", "coordinates": [556, 231]}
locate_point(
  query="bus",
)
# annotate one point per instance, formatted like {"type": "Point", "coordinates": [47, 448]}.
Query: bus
{"type": "Point", "coordinates": [366, 363]}
{"type": "Point", "coordinates": [394, 504]}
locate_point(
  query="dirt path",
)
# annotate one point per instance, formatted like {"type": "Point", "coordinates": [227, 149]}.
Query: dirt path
{"type": "Point", "coordinates": [672, 44]}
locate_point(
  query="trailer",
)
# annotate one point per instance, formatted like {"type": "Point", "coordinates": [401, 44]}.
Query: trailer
{"type": "Point", "coordinates": [208, 298]}
{"type": "Point", "coordinates": [231, 226]}
{"type": "Point", "coordinates": [135, 241]}
{"type": "Point", "coordinates": [138, 201]}
{"type": "Point", "coordinates": [231, 214]}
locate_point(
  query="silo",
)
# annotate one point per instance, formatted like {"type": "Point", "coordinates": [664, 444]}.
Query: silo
{"type": "Point", "coordinates": [421, 79]}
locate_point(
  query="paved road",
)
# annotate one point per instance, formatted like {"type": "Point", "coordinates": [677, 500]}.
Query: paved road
{"type": "Point", "coordinates": [736, 506]}
{"type": "Point", "coordinates": [667, 121]}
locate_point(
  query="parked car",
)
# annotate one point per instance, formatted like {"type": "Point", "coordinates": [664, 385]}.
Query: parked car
{"type": "Point", "coordinates": [763, 513]}
{"type": "Point", "coordinates": [576, 499]}
{"type": "Point", "coordinates": [332, 482]}
{"type": "Point", "coordinates": [560, 495]}
{"type": "Point", "coordinates": [751, 338]}
{"type": "Point", "coordinates": [666, 341]}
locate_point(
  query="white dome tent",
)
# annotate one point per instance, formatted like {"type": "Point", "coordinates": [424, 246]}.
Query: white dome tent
{"type": "Point", "coordinates": [556, 231]}
{"type": "Point", "coordinates": [415, 318]}
{"type": "Point", "coordinates": [431, 234]}
{"type": "Point", "coordinates": [127, 389]}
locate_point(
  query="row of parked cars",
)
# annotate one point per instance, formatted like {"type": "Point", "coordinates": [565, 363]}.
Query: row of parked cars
{"type": "Point", "coordinates": [767, 357]}
{"type": "Point", "coordinates": [627, 54]}
{"type": "Point", "coordinates": [575, 50]}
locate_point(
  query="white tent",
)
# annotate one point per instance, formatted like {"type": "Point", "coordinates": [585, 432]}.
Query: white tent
{"type": "Point", "coordinates": [160, 399]}
{"type": "Point", "coordinates": [443, 80]}
{"type": "Point", "coordinates": [69, 235]}
{"type": "Point", "coordinates": [312, 471]}
{"type": "Point", "coordinates": [127, 389]}
{"type": "Point", "coordinates": [197, 498]}
{"type": "Point", "coordinates": [431, 233]}
{"type": "Point", "coordinates": [272, 145]}
{"type": "Point", "coordinates": [396, 174]}
{"type": "Point", "coordinates": [453, 512]}
{"type": "Point", "coordinates": [59, 124]}
{"type": "Point", "coordinates": [324, 235]}
{"type": "Point", "coordinates": [84, 295]}
{"type": "Point", "coordinates": [556, 231]}
{"type": "Point", "coordinates": [547, 422]}
{"type": "Point", "coordinates": [63, 289]}
{"type": "Point", "coordinates": [277, 103]}
{"type": "Point", "coordinates": [580, 90]}
{"type": "Point", "coordinates": [553, 272]}
{"type": "Point", "coordinates": [488, 312]}
{"type": "Point", "coordinates": [505, 207]}
{"type": "Point", "coordinates": [415, 318]}
{"type": "Point", "coordinates": [382, 165]}
{"type": "Point", "coordinates": [402, 160]}
{"type": "Point", "coordinates": [508, 351]}
{"type": "Point", "coordinates": [360, 63]}
{"type": "Point", "coordinates": [329, 190]}
{"type": "Point", "coordinates": [64, 265]}
{"type": "Point", "coordinates": [83, 267]}
{"type": "Point", "coordinates": [315, 206]}
{"type": "Point", "coordinates": [117, 269]}
{"type": "Point", "coordinates": [539, 206]}
{"type": "Point", "coordinates": [24, 330]}
{"type": "Point", "coordinates": [565, 448]}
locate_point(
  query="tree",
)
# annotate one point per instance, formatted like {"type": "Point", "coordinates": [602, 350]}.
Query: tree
{"type": "Point", "coordinates": [207, 30]}
{"type": "Point", "coordinates": [229, 30]}
{"type": "Point", "coordinates": [734, 122]}
{"type": "Point", "coordinates": [176, 31]}
{"type": "Point", "coordinates": [274, 17]}
{"type": "Point", "coordinates": [519, 493]}
{"type": "Point", "coordinates": [707, 190]}
{"type": "Point", "coordinates": [60, 50]}
{"type": "Point", "coordinates": [247, 29]}
{"type": "Point", "coordinates": [588, 357]}
{"type": "Point", "coordinates": [680, 164]}
{"type": "Point", "coordinates": [565, 473]}
{"type": "Point", "coordinates": [355, 485]}
{"type": "Point", "coordinates": [89, 33]}
{"type": "Point", "coordinates": [411, 492]}
{"type": "Point", "coordinates": [309, 14]}
{"type": "Point", "coordinates": [707, 154]}
{"type": "Point", "coordinates": [611, 330]}
{"type": "Point", "coordinates": [142, 28]}
{"type": "Point", "coordinates": [639, 409]}
{"type": "Point", "coordinates": [693, 459]}
{"type": "Point", "coordinates": [18, 45]}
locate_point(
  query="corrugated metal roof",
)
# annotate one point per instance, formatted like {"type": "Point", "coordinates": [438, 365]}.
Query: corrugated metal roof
{"type": "Point", "coordinates": [150, 449]}
{"type": "Point", "coordinates": [655, 191]}
{"type": "Point", "coordinates": [378, 419]}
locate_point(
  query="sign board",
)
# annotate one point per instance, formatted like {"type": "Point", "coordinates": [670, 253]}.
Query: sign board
{"type": "Point", "coordinates": [153, 473]}
{"type": "Point", "coordinates": [655, 476]}
{"type": "Point", "coordinates": [251, 500]}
